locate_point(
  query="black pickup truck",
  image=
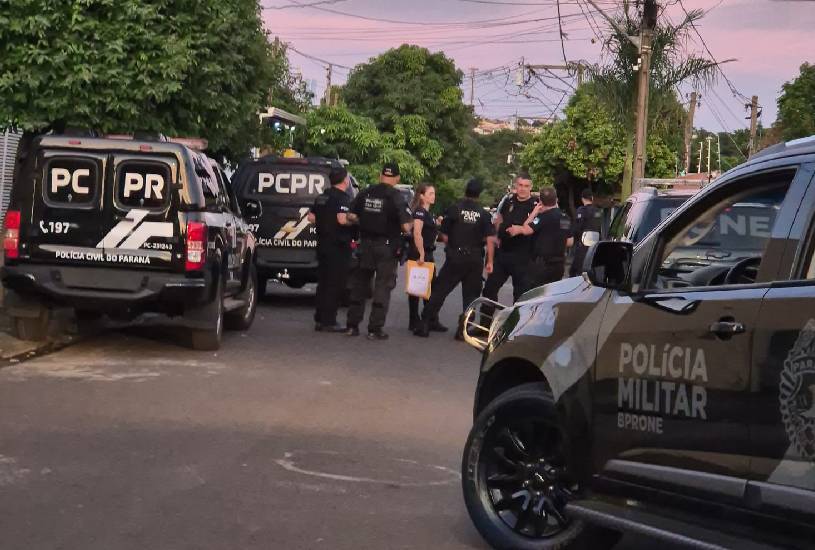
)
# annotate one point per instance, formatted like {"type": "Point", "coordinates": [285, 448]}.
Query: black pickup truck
{"type": "Point", "coordinates": [123, 227]}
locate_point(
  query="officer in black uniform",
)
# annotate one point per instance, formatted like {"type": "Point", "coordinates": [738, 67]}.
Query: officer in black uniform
{"type": "Point", "coordinates": [422, 246]}
{"type": "Point", "coordinates": [588, 218]}
{"type": "Point", "coordinates": [551, 229]}
{"type": "Point", "coordinates": [512, 255]}
{"type": "Point", "coordinates": [382, 216]}
{"type": "Point", "coordinates": [334, 236]}
{"type": "Point", "coordinates": [466, 227]}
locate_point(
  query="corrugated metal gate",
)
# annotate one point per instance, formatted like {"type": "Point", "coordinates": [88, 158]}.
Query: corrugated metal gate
{"type": "Point", "coordinates": [9, 140]}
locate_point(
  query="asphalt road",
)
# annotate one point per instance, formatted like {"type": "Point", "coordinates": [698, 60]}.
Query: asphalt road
{"type": "Point", "coordinates": [284, 439]}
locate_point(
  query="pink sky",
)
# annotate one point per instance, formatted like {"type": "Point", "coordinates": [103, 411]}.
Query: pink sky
{"type": "Point", "coordinates": [770, 39]}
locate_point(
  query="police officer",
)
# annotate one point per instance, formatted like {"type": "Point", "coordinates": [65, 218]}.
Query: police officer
{"type": "Point", "coordinates": [382, 216]}
{"type": "Point", "coordinates": [512, 255]}
{"type": "Point", "coordinates": [551, 234]}
{"type": "Point", "coordinates": [422, 246]}
{"type": "Point", "coordinates": [588, 218]}
{"type": "Point", "coordinates": [466, 227]}
{"type": "Point", "coordinates": [334, 235]}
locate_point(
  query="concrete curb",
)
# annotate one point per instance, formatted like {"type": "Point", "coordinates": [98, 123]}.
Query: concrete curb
{"type": "Point", "coordinates": [63, 332]}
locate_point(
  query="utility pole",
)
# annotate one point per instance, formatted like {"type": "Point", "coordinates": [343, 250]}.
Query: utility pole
{"type": "Point", "coordinates": [719, 150]}
{"type": "Point", "coordinates": [701, 150]}
{"type": "Point", "coordinates": [753, 146]}
{"type": "Point", "coordinates": [328, 91]}
{"type": "Point", "coordinates": [649, 23]}
{"type": "Point", "coordinates": [472, 87]}
{"type": "Point", "coordinates": [709, 140]}
{"type": "Point", "coordinates": [694, 98]}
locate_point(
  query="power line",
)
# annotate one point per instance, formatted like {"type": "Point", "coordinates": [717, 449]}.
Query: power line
{"type": "Point", "coordinates": [730, 84]}
{"type": "Point", "coordinates": [317, 3]}
{"type": "Point", "coordinates": [560, 33]}
{"type": "Point", "coordinates": [314, 58]}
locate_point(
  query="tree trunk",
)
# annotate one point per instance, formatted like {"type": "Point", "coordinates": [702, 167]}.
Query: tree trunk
{"type": "Point", "coordinates": [572, 212]}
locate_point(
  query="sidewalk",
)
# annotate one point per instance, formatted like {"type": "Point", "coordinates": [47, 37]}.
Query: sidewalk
{"type": "Point", "coordinates": [63, 332]}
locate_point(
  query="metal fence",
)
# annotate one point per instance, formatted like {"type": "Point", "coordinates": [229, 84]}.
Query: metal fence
{"type": "Point", "coordinates": [9, 140]}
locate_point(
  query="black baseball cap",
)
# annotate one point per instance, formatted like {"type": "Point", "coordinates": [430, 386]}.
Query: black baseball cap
{"type": "Point", "coordinates": [390, 170]}
{"type": "Point", "coordinates": [473, 188]}
{"type": "Point", "coordinates": [337, 174]}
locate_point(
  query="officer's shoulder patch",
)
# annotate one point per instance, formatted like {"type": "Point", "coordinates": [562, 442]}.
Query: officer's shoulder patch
{"type": "Point", "coordinates": [564, 223]}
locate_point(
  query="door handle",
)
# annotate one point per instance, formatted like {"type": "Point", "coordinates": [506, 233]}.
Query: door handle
{"type": "Point", "coordinates": [726, 328]}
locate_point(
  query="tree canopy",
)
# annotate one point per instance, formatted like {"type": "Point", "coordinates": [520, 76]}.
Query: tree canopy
{"type": "Point", "coordinates": [336, 132]}
{"type": "Point", "coordinates": [588, 147]}
{"type": "Point", "coordinates": [796, 105]}
{"type": "Point", "coordinates": [179, 67]}
{"type": "Point", "coordinates": [415, 99]}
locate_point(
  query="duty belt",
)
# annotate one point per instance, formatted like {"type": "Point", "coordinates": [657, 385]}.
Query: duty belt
{"type": "Point", "coordinates": [376, 240]}
{"type": "Point", "coordinates": [468, 250]}
{"type": "Point", "coordinates": [548, 261]}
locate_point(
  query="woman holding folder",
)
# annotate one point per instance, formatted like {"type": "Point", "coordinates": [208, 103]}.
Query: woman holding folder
{"type": "Point", "coordinates": [422, 245]}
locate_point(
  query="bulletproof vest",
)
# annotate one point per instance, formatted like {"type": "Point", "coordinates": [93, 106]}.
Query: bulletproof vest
{"type": "Point", "coordinates": [329, 230]}
{"type": "Point", "coordinates": [590, 218]}
{"type": "Point", "coordinates": [515, 212]}
{"type": "Point", "coordinates": [467, 225]}
{"type": "Point", "coordinates": [550, 241]}
{"type": "Point", "coordinates": [377, 216]}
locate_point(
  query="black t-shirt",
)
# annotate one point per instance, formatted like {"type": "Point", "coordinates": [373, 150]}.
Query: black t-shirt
{"type": "Point", "coordinates": [587, 218]}
{"type": "Point", "coordinates": [515, 212]}
{"type": "Point", "coordinates": [551, 229]}
{"type": "Point", "coordinates": [382, 211]}
{"type": "Point", "coordinates": [466, 225]}
{"type": "Point", "coordinates": [326, 207]}
{"type": "Point", "coordinates": [430, 230]}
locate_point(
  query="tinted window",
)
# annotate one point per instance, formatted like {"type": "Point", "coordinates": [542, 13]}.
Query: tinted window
{"type": "Point", "coordinates": [657, 210]}
{"type": "Point", "coordinates": [639, 217]}
{"type": "Point", "coordinates": [71, 182]}
{"type": "Point", "coordinates": [208, 180]}
{"type": "Point", "coordinates": [721, 235]}
{"type": "Point", "coordinates": [143, 184]}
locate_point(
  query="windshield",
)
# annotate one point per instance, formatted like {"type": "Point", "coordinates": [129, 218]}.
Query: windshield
{"type": "Point", "coordinates": [639, 217]}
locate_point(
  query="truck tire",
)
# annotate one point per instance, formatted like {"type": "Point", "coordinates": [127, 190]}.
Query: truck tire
{"type": "Point", "coordinates": [516, 477]}
{"type": "Point", "coordinates": [209, 339]}
{"type": "Point", "coordinates": [32, 329]}
{"type": "Point", "coordinates": [241, 318]}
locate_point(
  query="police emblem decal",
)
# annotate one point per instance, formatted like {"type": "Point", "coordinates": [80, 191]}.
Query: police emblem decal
{"type": "Point", "coordinates": [797, 393]}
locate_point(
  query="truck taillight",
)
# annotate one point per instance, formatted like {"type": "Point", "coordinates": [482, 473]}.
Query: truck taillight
{"type": "Point", "coordinates": [11, 236]}
{"type": "Point", "coordinates": [196, 246]}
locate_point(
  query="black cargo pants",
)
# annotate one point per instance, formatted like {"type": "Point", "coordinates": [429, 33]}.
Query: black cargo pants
{"type": "Point", "coordinates": [462, 266]}
{"type": "Point", "coordinates": [332, 279]}
{"type": "Point", "coordinates": [376, 259]}
{"type": "Point", "coordinates": [506, 265]}
{"type": "Point", "coordinates": [577, 260]}
{"type": "Point", "coordinates": [543, 271]}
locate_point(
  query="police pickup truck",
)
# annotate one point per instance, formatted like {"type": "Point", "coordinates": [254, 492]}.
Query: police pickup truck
{"type": "Point", "coordinates": [286, 189]}
{"type": "Point", "coordinates": [671, 398]}
{"type": "Point", "coordinates": [123, 227]}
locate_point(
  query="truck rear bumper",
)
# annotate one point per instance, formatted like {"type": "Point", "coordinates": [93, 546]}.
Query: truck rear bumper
{"type": "Point", "coordinates": [104, 289]}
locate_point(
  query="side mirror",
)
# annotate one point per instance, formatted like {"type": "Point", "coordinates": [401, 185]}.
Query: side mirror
{"type": "Point", "coordinates": [590, 238]}
{"type": "Point", "coordinates": [253, 209]}
{"type": "Point", "coordinates": [608, 265]}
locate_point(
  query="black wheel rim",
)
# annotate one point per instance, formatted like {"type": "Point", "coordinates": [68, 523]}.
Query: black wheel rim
{"type": "Point", "coordinates": [522, 470]}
